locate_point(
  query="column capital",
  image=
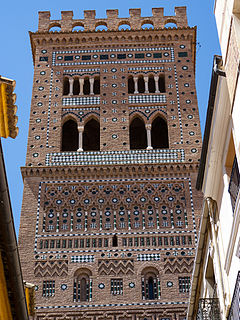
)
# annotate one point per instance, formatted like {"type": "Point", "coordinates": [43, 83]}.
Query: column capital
{"type": "Point", "coordinates": [156, 78]}
{"type": "Point", "coordinates": [145, 78]}
{"type": "Point", "coordinates": [71, 80]}
{"type": "Point", "coordinates": [80, 128]}
{"type": "Point", "coordinates": [148, 126]}
{"type": "Point", "coordinates": [91, 80]}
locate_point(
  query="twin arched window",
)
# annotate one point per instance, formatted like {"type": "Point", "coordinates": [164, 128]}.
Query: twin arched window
{"type": "Point", "coordinates": [85, 138]}
{"type": "Point", "coordinates": [157, 138]}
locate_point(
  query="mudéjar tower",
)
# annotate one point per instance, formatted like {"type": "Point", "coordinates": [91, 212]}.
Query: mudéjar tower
{"type": "Point", "coordinates": [110, 212]}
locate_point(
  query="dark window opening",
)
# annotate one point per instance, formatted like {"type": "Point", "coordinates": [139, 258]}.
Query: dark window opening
{"type": "Point", "coordinates": [130, 85]}
{"type": "Point", "coordinates": [141, 85]}
{"type": "Point", "coordinates": [150, 289]}
{"type": "Point", "coordinates": [86, 86]}
{"type": "Point", "coordinates": [69, 136]}
{"type": "Point", "coordinates": [115, 241]}
{"type": "Point", "coordinates": [65, 86]}
{"type": "Point", "coordinates": [91, 136]}
{"type": "Point", "coordinates": [96, 85]}
{"type": "Point", "coordinates": [151, 84]}
{"type": "Point", "coordinates": [138, 135]}
{"type": "Point", "coordinates": [159, 134]}
{"type": "Point", "coordinates": [76, 87]}
{"type": "Point", "coordinates": [161, 84]}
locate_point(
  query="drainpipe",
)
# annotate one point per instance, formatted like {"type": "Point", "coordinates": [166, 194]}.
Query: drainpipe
{"type": "Point", "coordinates": [212, 211]}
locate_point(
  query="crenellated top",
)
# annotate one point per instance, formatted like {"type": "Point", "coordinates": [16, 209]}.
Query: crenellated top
{"type": "Point", "coordinates": [112, 22]}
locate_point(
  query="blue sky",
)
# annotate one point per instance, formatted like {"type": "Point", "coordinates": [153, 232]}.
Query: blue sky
{"type": "Point", "coordinates": [19, 17]}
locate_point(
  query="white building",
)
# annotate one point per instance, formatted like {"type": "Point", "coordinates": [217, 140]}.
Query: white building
{"type": "Point", "coordinates": [216, 278]}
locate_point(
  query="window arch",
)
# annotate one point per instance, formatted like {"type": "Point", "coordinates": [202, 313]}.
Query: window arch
{"type": "Point", "coordinates": [66, 86]}
{"type": "Point", "coordinates": [159, 133]}
{"type": "Point", "coordinates": [69, 136]}
{"type": "Point", "coordinates": [78, 27]}
{"type": "Point", "coordinates": [138, 135]}
{"type": "Point", "coordinates": [86, 86]}
{"type": "Point", "coordinates": [96, 85]}
{"type": "Point", "coordinates": [130, 85]}
{"type": "Point", "coordinates": [76, 86]}
{"type": "Point", "coordinates": [55, 28]}
{"type": "Point", "coordinates": [82, 285]}
{"type": "Point", "coordinates": [141, 84]}
{"type": "Point", "coordinates": [91, 136]}
{"type": "Point", "coordinates": [150, 284]}
{"type": "Point", "coordinates": [151, 84]}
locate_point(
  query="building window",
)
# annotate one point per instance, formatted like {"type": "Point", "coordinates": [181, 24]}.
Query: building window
{"type": "Point", "coordinates": [116, 286]}
{"type": "Point", "coordinates": [48, 288]}
{"type": "Point", "coordinates": [130, 85]}
{"type": "Point", "coordinates": [138, 135]}
{"type": "Point", "coordinates": [151, 84]}
{"type": "Point", "coordinates": [96, 85]}
{"type": "Point", "coordinates": [141, 85]}
{"type": "Point", "coordinates": [159, 134]}
{"type": "Point", "coordinates": [86, 86]}
{"type": "Point", "coordinates": [150, 284]}
{"type": "Point", "coordinates": [69, 136]}
{"type": "Point", "coordinates": [184, 284]}
{"type": "Point", "coordinates": [76, 86]}
{"type": "Point", "coordinates": [114, 241]}
{"type": "Point", "coordinates": [66, 87]}
{"type": "Point", "coordinates": [91, 136]}
{"type": "Point", "coordinates": [82, 285]}
{"type": "Point", "coordinates": [234, 183]}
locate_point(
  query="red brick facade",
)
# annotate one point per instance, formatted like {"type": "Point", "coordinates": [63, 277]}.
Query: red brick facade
{"type": "Point", "coordinates": [110, 211]}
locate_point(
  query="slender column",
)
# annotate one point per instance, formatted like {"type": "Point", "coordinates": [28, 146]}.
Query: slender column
{"type": "Point", "coordinates": [146, 84]}
{"type": "Point", "coordinates": [81, 82]}
{"type": "Point", "coordinates": [71, 87]}
{"type": "Point", "coordinates": [149, 140]}
{"type": "Point", "coordinates": [80, 138]}
{"type": "Point", "coordinates": [91, 85]}
{"type": "Point", "coordinates": [135, 79]}
{"type": "Point", "coordinates": [156, 84]}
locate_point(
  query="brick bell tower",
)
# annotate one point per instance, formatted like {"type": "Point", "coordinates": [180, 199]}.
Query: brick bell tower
{"type": "Point", "coordinates": [110, 212]}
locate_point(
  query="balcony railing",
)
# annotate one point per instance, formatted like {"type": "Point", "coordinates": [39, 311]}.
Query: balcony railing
{"type": "Point", "coordinates": [234, 313]}
{"type": "Point", "coordinates": [208, 309]}
{"type": "Point", "coordinates": [115, 157]}
{"type": "Point", "coordinates": [234, 184]}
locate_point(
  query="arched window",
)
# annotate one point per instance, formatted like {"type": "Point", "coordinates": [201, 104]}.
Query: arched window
{"type": "Point", "coordinates": [114, 241]}
{"type": "Point", "coordinates": [141, 85]}
{"type": "Point", "coordinates": [78, 28]}
{"type": "Point", "coordinates": [82, 285]}
{"type": "Point", "coordinates": [96, 85]}
{"type": "Point", "coordinates": [130, 85]}
{"type": "Point", "coordinates": [138, 135]}
{"type": "Point", "coordinates": [159, 134]}
{"type": "Point", "coordinates": [65, 86]}
{"type": "Point", "coordinates": [161, 83]}
{"type": "Point", "coordinates": [56, 28]}
{"type": "Point", "coordinates": [151, 84]}
{"type": "Point", "coordinates": [86, 86]}
{"type": "Point", "coordinates": [124, 26]}
{"type": "Point", "coordinates": [91, 136]}
{"type": "Point", "coordinates": [76, 86]}
{"type": "Point", "coordinates": [69, 136]}
{"type": "Point", "coordinates": [150, 284]}
{"type": "Point", "coordinates": [147, 26]}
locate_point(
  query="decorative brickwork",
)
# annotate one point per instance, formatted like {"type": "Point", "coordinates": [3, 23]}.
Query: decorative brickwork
{"type": "Point", "coordinates": [110, 212]}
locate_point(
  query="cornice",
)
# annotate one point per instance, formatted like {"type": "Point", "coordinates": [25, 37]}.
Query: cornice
{"type": "Point", "coordinates": [114, 171]}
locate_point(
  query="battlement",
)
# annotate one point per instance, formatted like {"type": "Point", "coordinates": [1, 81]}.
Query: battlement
{"type": "Point", "coordinates": [112, 22]}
